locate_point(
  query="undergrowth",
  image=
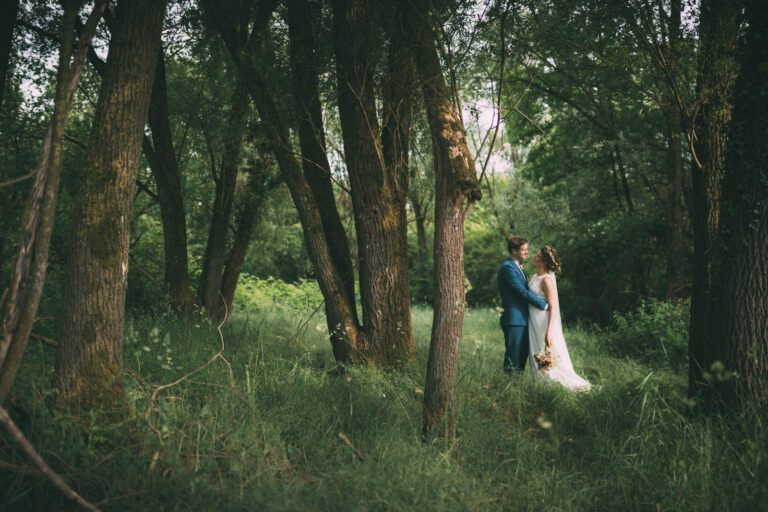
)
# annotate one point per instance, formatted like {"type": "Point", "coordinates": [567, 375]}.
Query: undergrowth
{"type": "Point", "coordinates": [272, 442]}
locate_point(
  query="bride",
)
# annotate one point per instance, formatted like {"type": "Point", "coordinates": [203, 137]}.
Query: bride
{"type": "Point", "coordinates": [545, 330]}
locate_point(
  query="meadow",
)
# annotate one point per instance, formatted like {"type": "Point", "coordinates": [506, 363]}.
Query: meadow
{"type": "Point", "coordinates": [266, 436]}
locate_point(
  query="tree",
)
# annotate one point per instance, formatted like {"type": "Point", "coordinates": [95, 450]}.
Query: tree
{"type": "Point", "coordinates": [89, 359]}
{"type": "Point", "coordinates": [379, 188]}
{"type": "Point", "coordinates": [456, 187]}
{"type": "Point", "coordinates": [737, 309]}
{"type": "Point", "coordinates": [225, 178]}
{"type": "Point", "coordinates": [30, 266]}
{"type": "Point", "coordinates": [717, 70]}
{"type": "Point", "coordinates": [384, 337]}
{"type": "Point", "coordinates": [8, 11]}
{"type": "Point", "coordinates": [245, 46]}
{"type": "Point", "coordinates": [305, 67]}
{"type": "Point", "coordinates": [164, 164]}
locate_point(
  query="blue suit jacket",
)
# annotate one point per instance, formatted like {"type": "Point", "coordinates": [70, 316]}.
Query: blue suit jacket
{"type": "Point", "coordinates": [515, 295]}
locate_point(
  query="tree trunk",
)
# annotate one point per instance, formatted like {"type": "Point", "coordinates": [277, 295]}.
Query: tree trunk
{"type": "Point", "coordinates": [718, 31]}
{"type": "Point", "coordinates": [379, 193]}
{"type": "Point", "coordinates": [737, 314]}
{"type": "Point", "coordinates": [247, 219]}
{"type": "Point", "coordinates": [243, 48]}
{"type": "Point", "coordinates": [216, 249]}
{"type": "Point", "coordinates": [317, 169]}
{"type": "Point", "coordinates": [163, 163]}
{"type": "Point", "coordinates": [674, 161]}
{"type": "Point", "coordinates": [165, 169]}
{"type": "Point", "coordinates": [421, 231]}
{"type": "Point", "coordinates": [8, 11]}
{"type": "Point", "coordinates": [29, 268]}
{"type": "Point", "coordinates": [455, 185]}
{"type": "Point", "coordinates": [89, 359]}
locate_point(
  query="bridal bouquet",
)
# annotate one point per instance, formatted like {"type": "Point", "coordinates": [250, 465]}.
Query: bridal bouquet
{"type": "Point", "coordinates": [544, 360]}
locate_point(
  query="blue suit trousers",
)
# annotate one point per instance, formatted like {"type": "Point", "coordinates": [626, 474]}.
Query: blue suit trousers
{"type": "Point", "coordinates": [516, 345]}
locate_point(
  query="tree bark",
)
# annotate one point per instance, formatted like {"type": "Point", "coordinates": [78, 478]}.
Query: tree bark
{"type": "Point", "coordinates": [317, 169]}
{"type": "Point", "coordinates": [379, 193]}
{"type": "Point", "coordinates": [243, 48]}
{"type": "Point", "coordinates": [29, 268]}
{"type": "Point", "coordinates": [717, 70]}
{"type": "Point", "coordinates": [456, 185]}
{"type": "Point", "coordinates": [674, 160]}
{"type": "Point", "coordinates": [737, 313]}
{"type": "Point", "coordinates": [8, 11]}
{"type": "Point", "coordinates": [226, 179]}
{"type": "Point", "coordinates": [89, 360]}
{"type": "Point", "coordinates": [165, 169]}
{"type": "Point", "coordinates": [421, 230]}
{"type": "Point", "coordinates": [247, 219]}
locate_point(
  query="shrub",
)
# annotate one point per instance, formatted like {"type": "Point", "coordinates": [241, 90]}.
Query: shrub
{"type": "Point", "coordinates": [655, 332]}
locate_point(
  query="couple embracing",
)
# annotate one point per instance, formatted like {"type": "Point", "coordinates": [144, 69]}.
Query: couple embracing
{"type": "Point", "coordinates": [531, 318]}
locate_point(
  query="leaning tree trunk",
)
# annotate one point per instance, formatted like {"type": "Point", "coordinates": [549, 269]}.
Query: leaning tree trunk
{"type": "Point", "coordinates": [379, 193]}
{"type": "Point", "coordinates": [89, 359]}
{"type": "Point", "coordinates": [718, 31]}
{"type": "Point", "coordinates": [317, 168]}
{"type": "Point", "coordinates": [243, 49]}
{"type": "Point", "coordinates": [30, 265]}
{"type": "Point", "coordinates": [165, 169]}
{"type": "Point", "coordinates": [8, 11]}
{"type": "Point", "coordinates": [226, 179]}
{"type": "Point", "coordinates": [738, 305]}
{"type": "Point", "coordinates": [248, 216]}
{"type": "Point", "coordinates": [456, 185]}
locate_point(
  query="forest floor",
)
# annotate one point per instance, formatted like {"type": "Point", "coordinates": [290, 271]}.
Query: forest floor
{"type": "Point", "coordinates": [272, 442]}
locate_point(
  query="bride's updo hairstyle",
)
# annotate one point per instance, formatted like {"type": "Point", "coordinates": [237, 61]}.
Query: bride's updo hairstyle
{"type": "Point", "coordinates": [550, 259]}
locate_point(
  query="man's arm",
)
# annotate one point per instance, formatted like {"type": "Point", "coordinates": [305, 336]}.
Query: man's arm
{"type": "Point", "coordinates": [515, 282]}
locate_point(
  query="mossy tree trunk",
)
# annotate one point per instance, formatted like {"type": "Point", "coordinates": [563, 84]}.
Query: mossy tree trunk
{"type": "Point", "coordinates": [89, 368]}
{"type": "Point", "coordinates": [717, 71]}
{"type": "Point", "coordinates": [379, 191]}
{"type": "Point", "coordinates": [456, 186]}
{"type": "Point", "coordinates": [737, 314]}
{"type": "Point", "coordinates": [31, 262]}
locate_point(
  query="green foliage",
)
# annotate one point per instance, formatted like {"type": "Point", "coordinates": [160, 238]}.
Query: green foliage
{"type": "Point", "coordinates": [254, 294]}
{"type": "Point", "coordinates": [633, 443]}
{"type": "Point", "coordinates": [655, 333]}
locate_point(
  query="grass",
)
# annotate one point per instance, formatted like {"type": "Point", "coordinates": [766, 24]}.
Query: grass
{"type": "Point", "coordinates": [633, 443]}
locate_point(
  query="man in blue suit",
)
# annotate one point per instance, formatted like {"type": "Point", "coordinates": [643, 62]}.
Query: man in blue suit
{"type": "Point", "coordinates": [515, 297]}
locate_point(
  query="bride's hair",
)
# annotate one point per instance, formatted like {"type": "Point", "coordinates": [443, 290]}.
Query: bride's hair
{"type": "Point", "coordinates": [550, 258]}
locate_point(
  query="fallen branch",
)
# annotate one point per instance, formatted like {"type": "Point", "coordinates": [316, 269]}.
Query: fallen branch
{"type": "Point", "coordinates": [16, 468]}
{"type": "Point", "coordinates": [40, 464]}
{"type": "Point", "coordinates": [47, 341]}
{"type": "Point", "coordinates": [346, 441]}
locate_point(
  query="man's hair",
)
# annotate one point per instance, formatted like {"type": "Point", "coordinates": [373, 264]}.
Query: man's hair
{"type": "Point", "coordinates": [515, 243]}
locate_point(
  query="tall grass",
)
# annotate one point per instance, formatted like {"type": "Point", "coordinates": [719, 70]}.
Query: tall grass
{"type": "Point", "coordinates": [633, 443]}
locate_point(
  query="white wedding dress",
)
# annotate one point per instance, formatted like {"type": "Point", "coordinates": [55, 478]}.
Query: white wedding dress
{"type": "Point", "coordinates": [562, 371]}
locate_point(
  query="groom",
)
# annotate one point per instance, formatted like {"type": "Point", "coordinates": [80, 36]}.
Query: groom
{"type": "Point", "coordinates": [515, 297]}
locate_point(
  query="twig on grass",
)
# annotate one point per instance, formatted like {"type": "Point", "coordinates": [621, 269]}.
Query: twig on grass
{"type": "Point", "coordinates": [40, 464]}
{"type": "Point", "coordinates": [346, 441]}
{"type": "Point", "coordinates": [218, 355]}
